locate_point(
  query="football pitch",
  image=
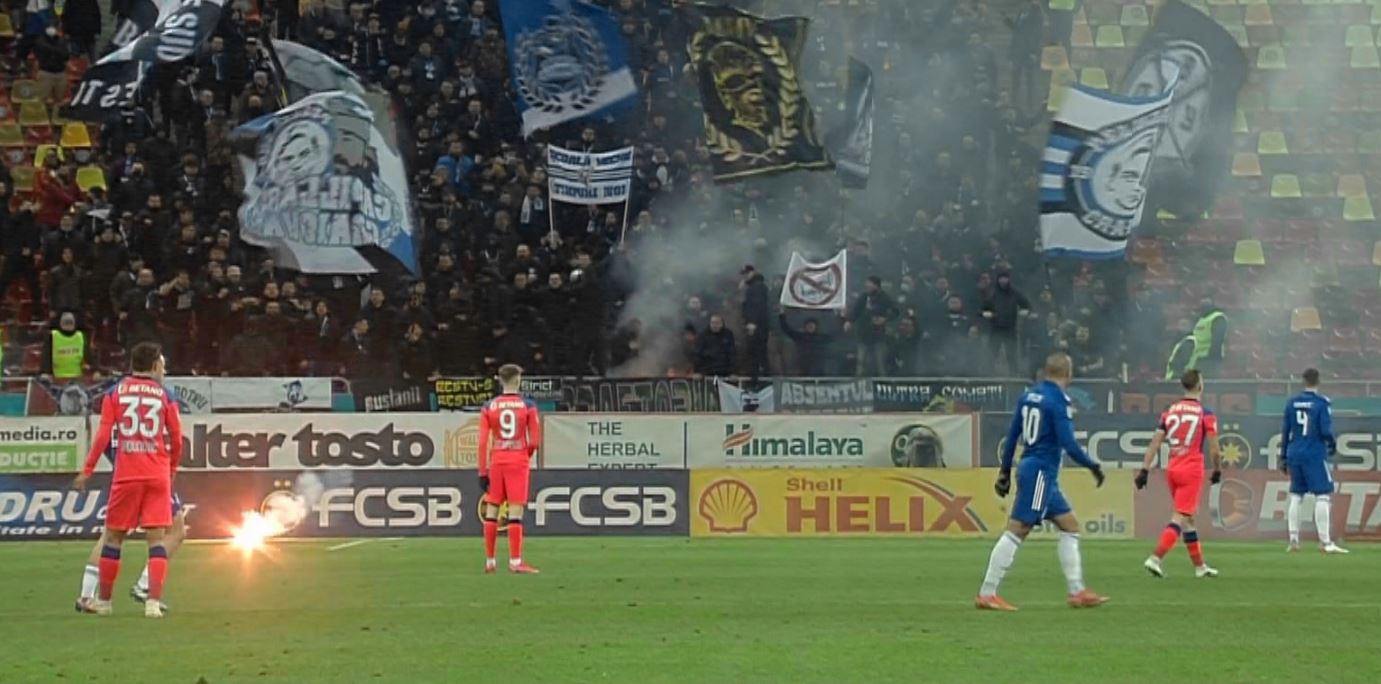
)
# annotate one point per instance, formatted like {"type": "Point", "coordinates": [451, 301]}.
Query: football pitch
{"type": "Point", "coordinates": [691, 610]}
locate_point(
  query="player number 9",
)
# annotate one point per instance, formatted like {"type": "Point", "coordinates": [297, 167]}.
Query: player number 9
{"type": "Point", "coordinates": [508, 424]}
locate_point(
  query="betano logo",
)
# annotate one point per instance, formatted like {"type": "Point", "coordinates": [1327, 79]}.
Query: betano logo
{"type": "Point", "coordinates": [728, 505]}
{"type": "Point", "coordinates": [831, 510]}
{"type": "Point", "coordinates": [742, 442]}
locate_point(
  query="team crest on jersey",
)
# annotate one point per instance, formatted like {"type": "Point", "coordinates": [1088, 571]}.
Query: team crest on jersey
{"type": "Point", "coordinates": [1108, 174]}
{"type": "Point", "coordinates": [560, 66]}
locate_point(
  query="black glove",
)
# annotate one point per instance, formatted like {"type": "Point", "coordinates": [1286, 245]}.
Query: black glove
{"type": "Point", "coordinates": [1333, 448]}
{"type": "Point", "coordinates": [484, 484]}
{"type": "Point", "coordinates": [1216, 477]}
{"type": "Point", "coordinates": [1284, 466]}
{"type": "Point", "coordinates": [1098, 476]}
{"type": "Point", "coordinates": [1004, 484]}
{"type": "Point", "coordinates": [1142, 476]}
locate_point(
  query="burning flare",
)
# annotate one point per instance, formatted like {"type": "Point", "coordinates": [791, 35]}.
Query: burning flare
{"type": "Point", "coordinates": [282, 512]}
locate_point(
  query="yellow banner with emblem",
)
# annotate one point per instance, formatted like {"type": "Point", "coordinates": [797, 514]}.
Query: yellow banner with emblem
{"type": "Point", "coordinates": [757, 119]}
{"type": "Point", "coordinates": [886, 502]}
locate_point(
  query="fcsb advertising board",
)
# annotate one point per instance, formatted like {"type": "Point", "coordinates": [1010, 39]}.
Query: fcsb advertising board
{"type": "Point", "coordinates": [1251, 504]}
{"type": "Point", "coordinates": [884, 502]}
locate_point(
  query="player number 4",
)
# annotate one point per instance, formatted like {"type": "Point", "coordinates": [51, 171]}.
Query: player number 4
{"type": "Point", "coordinates": [140, 417]}
{"type": "Point", "coordinates": [1302, 419]}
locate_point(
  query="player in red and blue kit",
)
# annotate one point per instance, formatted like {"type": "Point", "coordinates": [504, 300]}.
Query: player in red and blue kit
{"type": "Point", "coordinates": [1187, 426]}
{"type": "Point", "coordinates": [144, 418]}
{"type": "Point", "coordinates": [1043, 424]}
{"type": "Point", "coordinates": [1306, 442]}
{"type": "Point", "coordinates": [510, 433]}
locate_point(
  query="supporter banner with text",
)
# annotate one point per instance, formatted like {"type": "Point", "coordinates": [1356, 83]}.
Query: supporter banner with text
{"type": "Point", "coordinates": [824, 396]}
{"type": "Point", "coordinates": [382, 396]}
{"type": "Point", "coordinates": [1247, 442]}
{"type": "Point", "coordinates": [1252, 504]}
{"type": "Point", "coordinates": [869, 502]}
{"type": "Point", "coordinates": [640, 395]}
{"type": "Point", "coordinates": [469, 394]}
{"type": "Point", "coordinates": [42, 445]}
{"type": "Point", "coordinates": [756, 441]}
{"type": "Point", "coordinates": [362, 503]}
{"type": "Point", "coordinates": [943, 396]}
{"type": "Point", "coordinates": [194, 395]}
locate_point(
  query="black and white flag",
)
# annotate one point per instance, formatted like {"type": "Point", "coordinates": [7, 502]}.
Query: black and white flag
{"type": "Point", "coordinates": [113, 82]}
{"type": "Point", "coordinates": [589, 177]}
{"type": "Point", "coordinates": [852, 145]}
{"type": "Point", "coordinates": [138, 16]}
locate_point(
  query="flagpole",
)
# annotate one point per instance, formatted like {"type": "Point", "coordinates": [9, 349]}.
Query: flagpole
{"type": "Point", "coordinates": [551, 215]}
{"type": "Point", "coordinates": [627, 198]}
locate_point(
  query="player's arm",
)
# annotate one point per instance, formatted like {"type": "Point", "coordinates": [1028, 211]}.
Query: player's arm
{"type": "Point", "coordinates": [1326, 427]}
{"type": "Point", "coordinates": [1009, 450]}
{"type": "Point", "coordinates": [1285, 436]}
{"type": "Point", "coordinates": [99, 443]}
{"type": "Point", "coordinates": [1214, 452]}
{"type": "Point", "coordinates": [534, 431]}
{"type": "Point", "coordinates": [482, 461]}
{"type": "Point", "coordinates": [172, 421]}
{"type": "Point", "coordinates": [1064, 430]}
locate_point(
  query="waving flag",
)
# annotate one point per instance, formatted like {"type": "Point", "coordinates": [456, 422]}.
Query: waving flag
{"type": "Point", "coordinates": [822, 285]}
{"type": "Point", "coordinates": [589, 177]}
{"type": "Point", "coordinates": [325, 190]}
{"type": "Point", "coordinates": [853, 143]}
{"type": "Point", "coordinates": [568, 59]}
{"type": "Point", "coordinates": [1094, 171]}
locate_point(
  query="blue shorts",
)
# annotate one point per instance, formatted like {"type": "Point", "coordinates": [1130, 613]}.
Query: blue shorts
{"type": "Point", "coordinates": [1038, 496]}
{"type": "Point", "coordinates": [1310, 476]}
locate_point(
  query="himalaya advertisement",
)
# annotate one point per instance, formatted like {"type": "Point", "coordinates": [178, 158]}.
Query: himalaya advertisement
{"type": "Point", "coordinates": [363, 503]}
{"type": "Point", "coordinates": [634, 441]}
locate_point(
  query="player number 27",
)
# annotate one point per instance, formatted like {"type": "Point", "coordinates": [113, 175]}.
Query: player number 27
{"type": "Point", "coordinates": [1177, 437]}
{"type": "Point", "coordinates": [141, 417]}
{"type": "Point", "coordinates": [1030, 424]}
{"type": "Point", "coordinates": [508, 424]}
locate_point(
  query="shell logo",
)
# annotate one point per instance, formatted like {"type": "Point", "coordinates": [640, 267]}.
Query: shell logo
{"type": "Point", "coordinates": [462, 445]}
{"type": "Point", "coordinates": [728, 505]}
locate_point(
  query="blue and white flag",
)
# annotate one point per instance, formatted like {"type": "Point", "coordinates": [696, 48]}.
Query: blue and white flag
{"type": "Point", "coordinates": [568, 58]}
{"type": "Point", "coordinates": [325, 190]}
{"type": "Point", "coordinates": [589, 177]}
{"type": "Point", "coordinates": [1095, 168]}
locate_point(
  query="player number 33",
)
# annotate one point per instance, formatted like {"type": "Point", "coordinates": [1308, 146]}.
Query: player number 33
{"type": "Point", "coordinates": [140, 417]}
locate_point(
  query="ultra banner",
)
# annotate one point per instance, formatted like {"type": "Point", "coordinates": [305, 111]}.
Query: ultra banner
{"type": "Point", "coordinates": [589, 177]}
{"type": "Point", "coordinates": [1247, 442]}
{"type": "Point", "coordinates": [469, 394]}
{"type": "Point", "coordinates": [756, 441]}
{"type": "Point", "coordinates": [943, 396]}
{"type": "Point", "coordinates": [195, 394]}
{"type": "Point", "coordinates": [362, 503]}
{"type": "Point", "coordinates": [1252, 505]}
{"type": "Point", "coordinates": [868, 502]}
{"type": "Point", "coordinates": [640, 395]}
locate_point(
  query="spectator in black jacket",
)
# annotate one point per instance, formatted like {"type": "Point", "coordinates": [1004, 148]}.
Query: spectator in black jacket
{"type": "Point", "coordinates": [755, 307]}
{"type": "Point", "coordinates": [812, 347]}
{"type": "Point", "coordinates": [714, 350]}
{"type": "Point", "coordinates": [53, 52]}
{"type": "Point", "coordinates": [868, 316]}
{"type": "Point", "coordinates": [20, 239]}
{"type": "Point", "coordinates": [415, 355]}
{"type": "Point", "coordinates": [1003, 309]}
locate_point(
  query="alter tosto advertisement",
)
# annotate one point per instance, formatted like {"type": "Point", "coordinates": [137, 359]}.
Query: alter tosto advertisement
{"type": "Point", "coordinates": [362, 503]}
{"type": "Point", "coordinates": [1251, 504]}
{"type": "Point", "coordinates": [884, 502]}
{"type": "Point", "coordinates": [756, 441]}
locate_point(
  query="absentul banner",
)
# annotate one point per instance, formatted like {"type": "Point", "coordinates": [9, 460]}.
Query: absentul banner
{"type": "Point", "coordinates": [824, 396]}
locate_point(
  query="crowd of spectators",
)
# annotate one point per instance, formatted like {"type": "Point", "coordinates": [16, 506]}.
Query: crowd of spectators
{"type": "Point", "coordinates": [944, 272]}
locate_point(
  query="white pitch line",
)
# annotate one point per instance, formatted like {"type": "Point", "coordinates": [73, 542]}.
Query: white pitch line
{"type": "Point", "coordinates": [359, 542]}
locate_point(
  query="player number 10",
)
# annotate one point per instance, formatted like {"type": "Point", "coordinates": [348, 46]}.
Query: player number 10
{"type": "Point", "coordinates": [1030, 424]}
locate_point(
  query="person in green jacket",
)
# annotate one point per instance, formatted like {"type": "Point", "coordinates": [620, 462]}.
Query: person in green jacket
{"type": "Point", "coordinates": [65, 353]}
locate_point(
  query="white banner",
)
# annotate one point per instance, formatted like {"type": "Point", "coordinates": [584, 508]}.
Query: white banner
{"type": "Point", "coordinates": [583, 440]}
{"type": "Point", "coordinates": [756, 441]}
{"type": "Point", "coordinates": [589, 177]}
{"type": "Point", "coordinates": [205, 395]}
{"type": "Point", "coordinates": [734, 399]}
{"type": "Point", "coordinates": [822, 285]}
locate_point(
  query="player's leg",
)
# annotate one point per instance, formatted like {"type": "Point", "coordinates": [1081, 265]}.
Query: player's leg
{"type": "Point", "coordinates": [1028, 509]}
{"type": "Point", "coordinates": [91, 577]}
{"type": "Point", "coordinates": [1059, 512]}
{"type": "Point", "coordinates": [516, 488]}
{"type": "Point", "coordinates": [1299, 486]}
{"type": "Point", "coordinates": [1321, 486]}
{"type": "Point", "coordinates": [1171, 534]}
{"type": "Point", "coordinates": [158, 570]}
{"type": "Point", "coordinates": [1186, 507]}
{"type": "Point", "coordinates": [172, 541]}
{"type": "Point", "coordinates": [122, 515]}
{"type": "Point", "coordinates": [492, 499]}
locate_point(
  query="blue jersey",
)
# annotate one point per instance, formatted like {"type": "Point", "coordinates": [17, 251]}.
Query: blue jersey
{"type": "Point", "coordinates": [1308, 429]}
{"type": "Point", "coordinates": [1043, 423]}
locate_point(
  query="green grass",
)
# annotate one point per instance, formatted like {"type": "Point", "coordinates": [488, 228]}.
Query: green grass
{"type": "Point", "coordinates": [679, 610]}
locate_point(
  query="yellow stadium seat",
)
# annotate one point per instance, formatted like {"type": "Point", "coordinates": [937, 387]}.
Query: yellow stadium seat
{"type": "Point", "coordinates": [34, 114]}
{"type": "Point", "coordinates": [90, 177]}
{"type": "Point", "coordinates": [1094, 77]}
{"type": "Point", "coordinates": [1358, 35]}
{"type": "Point", "coordinates": [1109, 36]}
{"type": "Point", "coordinates": [41, 154]}
{"type": "Point", "coordinates": [1271, 142]}
{"type": "Point", "coordinates": [1246, 165]}
{"type": "Point", "coordinates": [1364, 57]}
{"type": "Point", "coordinates": [1059, 83]}
{"type": "Point", "coordinates": [1270, 57]}
{"type": "Point", "coordinates": [1258, 15]}
{"type": "Point", "coordinates": [1305, 318]}
{"type": "Point", "coordinates": [1376, 254]}
{"type": "Point", "coordinates": [11, 135]}
{"type": "Point", "coordinates": [1358, 209]}
{"type": "Point", "coordinates": [6, 27]}
{"type": "Point", "coordinates": [1249, 253]}
{"type": "Point", "coordinates": [1135, 15]}
{"type": "Point", "coordinates": [1352, 185]}
{"type": "Point", "coordinates": [1239, 34]}
{"type": "Point", "coordinates": [24, 90]}
{"type": "Point", "coordinates": [1054, 57]}
{"type": "Point", "coordinates": [23, 178]}
{"type": "Point", "coordinates": [1285, 186]}
{"type": "Point", "coordinates": [75, 136]}
{"type": "Point", "coordinates": [1081, 36]}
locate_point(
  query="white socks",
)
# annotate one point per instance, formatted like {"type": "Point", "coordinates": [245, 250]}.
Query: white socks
{"type": "Point", "coordinates": [1004, 552]}
{"type": "Point", "coordinates": [91, 580]}
{"type": "Point", "coordinates": [515, 562]}
{"type": "Point", "coordinates": [1292, 516]}
{"type": "Point", "coordinates": [1323, 515]}
{"type": "Point", "coordinates": [143, 582]}
{"type": "Point", "coordinates": [1070, 562]}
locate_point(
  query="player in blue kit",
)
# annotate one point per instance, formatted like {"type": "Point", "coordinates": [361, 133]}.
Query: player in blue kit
{"type": "Point", "coordinates": [1306, 442]}
{"type": "Point", "coordinates": [1043, 422]}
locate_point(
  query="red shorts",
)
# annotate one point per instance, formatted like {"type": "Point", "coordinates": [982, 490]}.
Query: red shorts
{"type": "Point", "coordinates": [139, 503]}
{"type": "Point", "coordinates": [508, 483]}
{"type": "Point", "coordinates": [1185, 486]}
